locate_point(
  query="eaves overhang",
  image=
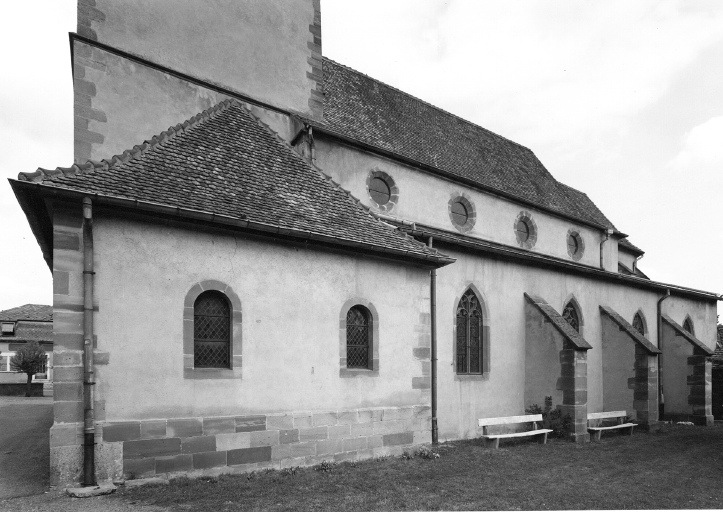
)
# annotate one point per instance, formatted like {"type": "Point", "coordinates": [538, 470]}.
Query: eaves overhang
{"type": "Point", "coordinates": [25, 191]}
{"type": "Point", "coordinates": [527, 257]}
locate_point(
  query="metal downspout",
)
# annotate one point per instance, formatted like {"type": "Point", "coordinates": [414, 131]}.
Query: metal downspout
{"type": "Point", "coordinates": [88, 366]}
{"type": "Point", "coordinates": [607, 234]}
{"type": "Point", "coordinates": [433, 322]}
{"type": "Point", "coordinates": [661, 396]}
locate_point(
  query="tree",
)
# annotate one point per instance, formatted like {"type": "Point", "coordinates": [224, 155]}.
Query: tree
{"type": "Point", "coordinates": [30, 359]}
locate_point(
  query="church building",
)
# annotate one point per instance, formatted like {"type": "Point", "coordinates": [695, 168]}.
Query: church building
{"type": "Point", "coordinates": [263, 258]}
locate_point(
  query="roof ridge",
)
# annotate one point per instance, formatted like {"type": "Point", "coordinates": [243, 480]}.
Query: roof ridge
{"type": "Point", "coordinates": [129, 154]}
{"type": "Point", "coordinates": [355, 200]}
{"type": "Point", "coordinates": [440, 109]}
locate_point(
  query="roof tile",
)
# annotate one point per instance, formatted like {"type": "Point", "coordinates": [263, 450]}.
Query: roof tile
{"type": "Point", "coordinates": [32, 312]}
{"type": "Point", "coordinates": [226, 162]}
{"type": "Point", "coordinates": [364, 109]}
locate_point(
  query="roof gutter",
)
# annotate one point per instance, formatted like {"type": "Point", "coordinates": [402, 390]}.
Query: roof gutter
{"type": "Point", "coordinates": [435, 260]}
{"type": "Point", "coordinates": [446, 174]}
{"type": "Point", "coordinates": [511, 253]}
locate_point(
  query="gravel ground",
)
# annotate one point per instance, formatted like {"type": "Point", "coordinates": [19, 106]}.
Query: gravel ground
{"type": "Point", "coordinates": [58, 501]}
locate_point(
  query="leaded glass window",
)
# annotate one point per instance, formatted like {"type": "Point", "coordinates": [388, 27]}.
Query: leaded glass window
{"type": "Point", "coordinates": [358, 337]}
{"type": "Point", "coordinates": [571, 316]}
{"type": "Point", "coordinates": [211, 331]}
{"type": "Point", "coordinates": [638, 324]}
{"type": "Point", "coordinates": [469, 334]}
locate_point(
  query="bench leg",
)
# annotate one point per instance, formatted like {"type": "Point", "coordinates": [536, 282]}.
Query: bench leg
{"type": "Point", "coordinates": [597, 435]}
{"type": "Point", "coordinates": [631, 430]}
{"type": "Point", "coordinates": [544, 438]}
{"type": "Point", "coordinates": [497, 443]}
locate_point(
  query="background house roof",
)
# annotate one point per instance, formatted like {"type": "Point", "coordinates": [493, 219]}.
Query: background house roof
{"type": "Point", "coordinates": [224, 161]}
{"type": "Point", "coordinates": [364, 109]}
{"type": "Point", "coordinates": [26, 331]}
{"type": "Point", "coordinates": [33, 312]}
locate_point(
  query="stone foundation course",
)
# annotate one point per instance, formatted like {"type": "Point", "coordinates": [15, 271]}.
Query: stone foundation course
{"type": "Point", "coordinates": [196, 446]}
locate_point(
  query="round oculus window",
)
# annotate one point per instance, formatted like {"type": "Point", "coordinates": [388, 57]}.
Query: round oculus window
{"type": "Point", "coordinates": [572, 244]}
{"type": "Point", "coordinates": [575, 245]}
{"type": "Point", "coordinates": [460, 215]}
{"type": "Point", "coordinates": [379, 190]}
{"type": "Point", "coordinates": [523, 230]}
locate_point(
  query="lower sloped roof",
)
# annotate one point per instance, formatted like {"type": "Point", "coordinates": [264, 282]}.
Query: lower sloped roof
{"type": "Point", "coordinates": [558, 322]}
{"type": "Point", "coordinates": [680, 331]}
{"type": "Point", "coordinates": [627, 328]}
{"type": "Point", "coordinates": [225, 162]}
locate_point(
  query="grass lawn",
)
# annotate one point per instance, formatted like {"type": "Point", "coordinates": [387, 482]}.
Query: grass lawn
{"type": "Point", "coordinates": [680, 467]}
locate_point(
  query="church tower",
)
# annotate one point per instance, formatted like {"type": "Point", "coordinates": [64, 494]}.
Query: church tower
{"type": "Point", "coordinates": [140, 66]}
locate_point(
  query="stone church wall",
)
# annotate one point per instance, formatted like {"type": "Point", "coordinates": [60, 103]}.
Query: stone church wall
{"type": "Point", "coordinates": [425, 198]}
{"type": "Point", "coordinates": [121, 102]}
{"type": "Point", "coordinates": [288, 400]}
{"type": "Point", "coordinates": [270, 51]}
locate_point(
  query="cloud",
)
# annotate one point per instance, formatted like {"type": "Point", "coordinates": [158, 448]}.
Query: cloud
{"type": "Point", "coordinates": [538, 72]}
{"type": "Point", "coordinates": [702, 148]}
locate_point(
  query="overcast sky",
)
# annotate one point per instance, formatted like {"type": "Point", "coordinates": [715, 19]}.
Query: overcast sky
{"type": "Point", "coordinates": [620, 99]}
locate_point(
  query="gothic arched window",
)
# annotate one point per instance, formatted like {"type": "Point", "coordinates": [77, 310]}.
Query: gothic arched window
{"type": "Point", "coordinates": [469, 334]}
{"type": "Point", "coordinates": [358, 337]}
{"type": "Point", "coordinates": [639, 324]}
{"type": "Point", "coordinates": [688, 326]}
{"type": "Point", "coordinates": [211, 331]}
{"type": "Point", "coordinates": [571, 315]}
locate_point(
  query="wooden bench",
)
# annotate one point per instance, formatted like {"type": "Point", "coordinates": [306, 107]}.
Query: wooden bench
{"type": "Point", "coordinates": [485, 423]}
{"type": "Point", "coordinates": [596, 431]}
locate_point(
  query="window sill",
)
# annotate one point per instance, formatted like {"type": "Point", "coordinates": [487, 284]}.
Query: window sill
{"type": "Point", "coordinates": [471, 376]}
{"type": "Point", "coordinates": [357, 372]}
{"type": "Point", "coordinates": [211, 373]}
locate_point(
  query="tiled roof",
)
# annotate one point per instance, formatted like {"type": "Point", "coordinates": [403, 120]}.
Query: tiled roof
{"type": "Point", "coordinates": [624, 243]}
{"type": "Point", "coordinates": [366, 110]}
{"type": "Point", "coordinates": [558, 322]}
{"type": "Point", "coordinates": [34, 312]}
{"type": "Point", "coordinates": [25, 331]}
{"type": "Point", "coordinates": [224, 161]}
{"type": "Point", "coordinates": [629, 330]}
{"type": "Point", "coordinates": [680, 331]}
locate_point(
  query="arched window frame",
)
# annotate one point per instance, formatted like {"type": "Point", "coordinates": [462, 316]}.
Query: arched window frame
{"type": "Point", "coordinates": [189, 370]}
{"type": "Point", "coordinates": [387, 207]}
{"type": "Point", "coordinates": [466, 201]}
{"type": "Point", "coordinates": [485, 341]}
{"type": "Point", "coordinates": [644, 323]}
{"type": "Point", "coordinates": [572, 301]}
{"type": "Point", "coordinates": [373, 369]}
{"type": "Point", "coordinates": [688, 325]}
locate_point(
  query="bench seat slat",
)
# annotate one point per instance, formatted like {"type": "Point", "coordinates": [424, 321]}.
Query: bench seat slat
{"type": "Point", "coordinates": [606, 415]}
{"type": "Point", "coordinates": [528, 418]}
{"type": "Point", "coordinates": [613, 427]}
{"type": "Point", "coordinates": [518, 434]}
